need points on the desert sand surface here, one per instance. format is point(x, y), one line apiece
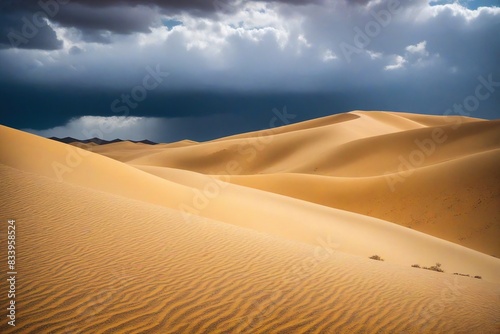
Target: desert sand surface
point(264, 232)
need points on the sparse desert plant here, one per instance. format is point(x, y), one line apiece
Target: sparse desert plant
point(436, 267)
point(376, 257)
point(467, 275)
point(415, 266)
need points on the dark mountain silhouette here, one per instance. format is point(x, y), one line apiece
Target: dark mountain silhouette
point(98, 141)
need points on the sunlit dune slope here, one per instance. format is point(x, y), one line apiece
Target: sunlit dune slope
point(274, 214)
point(94, 262)
point(439, 175)
point(345, 229)
point(457, 200)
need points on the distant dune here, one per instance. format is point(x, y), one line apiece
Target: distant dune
point(264, 232)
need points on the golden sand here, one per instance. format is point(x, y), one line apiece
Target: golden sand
point(265, 232)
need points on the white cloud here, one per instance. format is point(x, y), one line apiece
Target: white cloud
point(399, 62)
point(329, 55)
point(457, 10)
point(302, 40)
point(374, 55)
point(418, 48)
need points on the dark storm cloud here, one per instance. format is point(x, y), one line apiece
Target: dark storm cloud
point(96, 19)
point(187, 5)
point(23, 25)
point(228, 69)
point(19, 29)
point(50, 106)
point(120, 20)
point(358, 2)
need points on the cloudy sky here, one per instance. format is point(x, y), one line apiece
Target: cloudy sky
point(166, 70)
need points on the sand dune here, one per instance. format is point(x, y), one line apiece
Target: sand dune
point(457, 200)
point(266, 232)
point(307, 149)
point(110, 264)
point(417, 171)
point(250, 208)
